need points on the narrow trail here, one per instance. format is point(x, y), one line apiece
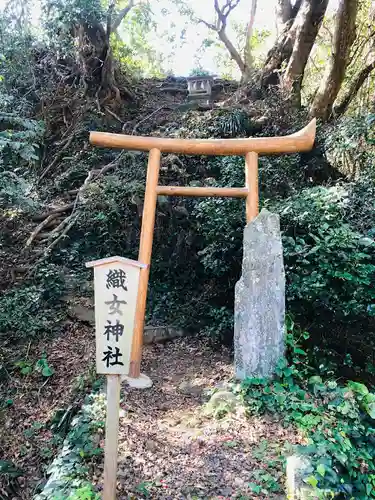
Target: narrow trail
point(171, 448)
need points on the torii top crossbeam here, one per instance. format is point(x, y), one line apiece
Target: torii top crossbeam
point(300, 141)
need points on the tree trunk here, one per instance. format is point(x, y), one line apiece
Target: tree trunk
point(283, 14)
point(232, 50)
point(308, 23)
point(248, 59)
point(281, 51)
point(95, 55)
point(343, 39)
point(92, 50)
point(354, 87)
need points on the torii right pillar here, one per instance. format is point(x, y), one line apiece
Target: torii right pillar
point(259, 314)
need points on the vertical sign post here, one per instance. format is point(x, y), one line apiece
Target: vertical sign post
point(116, 289)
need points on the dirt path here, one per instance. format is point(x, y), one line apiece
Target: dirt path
point(169, 447)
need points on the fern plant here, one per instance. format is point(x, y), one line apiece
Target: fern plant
point(19, 138)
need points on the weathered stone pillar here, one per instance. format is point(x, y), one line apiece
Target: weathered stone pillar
point(298, 468)
point(260, 300)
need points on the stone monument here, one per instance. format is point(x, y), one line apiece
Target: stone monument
point(260, 300)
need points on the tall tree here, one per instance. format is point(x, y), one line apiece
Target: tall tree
point(343, 38)
point(283, 47)
point(248, 59)
point(91, 25)
point(307, 24)
point(355, 85)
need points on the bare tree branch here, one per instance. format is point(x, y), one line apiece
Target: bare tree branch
point(121, 15)
point(221, 23)
point(354, 87)
point(249, 33)
point(209, 25)
point(223, 12)
point(232, 50)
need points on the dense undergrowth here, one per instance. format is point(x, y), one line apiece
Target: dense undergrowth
point(337, 420)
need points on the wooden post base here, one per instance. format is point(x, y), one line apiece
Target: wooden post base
point(141, 382)
point(111, 436)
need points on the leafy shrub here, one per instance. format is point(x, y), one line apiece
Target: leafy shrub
point(338, 421)
point(30, 309)
point(14, 192)
point(234, 123)
point(19, 138)
point(360, 207)
point(329, 266)
point(41, 366)
point(350, 144)
point(108, 218)
point(68, 474)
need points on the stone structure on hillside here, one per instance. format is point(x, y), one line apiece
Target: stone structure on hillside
point(200, 89)
point(260, 300)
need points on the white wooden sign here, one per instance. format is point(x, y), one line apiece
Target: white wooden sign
point(116, 288)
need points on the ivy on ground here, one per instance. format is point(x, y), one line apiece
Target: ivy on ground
point(338, 421)
point(69, 472)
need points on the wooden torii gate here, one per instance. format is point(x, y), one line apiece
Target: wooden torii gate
point(250, 148)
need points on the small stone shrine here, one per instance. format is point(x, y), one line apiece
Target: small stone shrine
point(200, 89)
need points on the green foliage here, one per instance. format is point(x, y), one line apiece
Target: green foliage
point(14, 192)
point(134, 51)
point(33, 430)
point(9, 474)
point(41, 366)
point(60, 18)
point(234, 123)
point(329, 266)
point(351, 144)
point(84, 493)
point(338, 421)
point(32, 309)
point(69, 471)
point(360, 207)
point(18, 139)
point(109, 215)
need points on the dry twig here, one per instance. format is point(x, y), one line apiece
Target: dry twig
point(38, 229)
point(149, 116)
point(57, 157)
